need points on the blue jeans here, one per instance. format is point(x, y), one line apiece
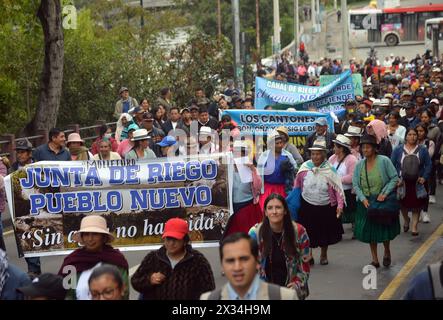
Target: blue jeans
point(34, 265)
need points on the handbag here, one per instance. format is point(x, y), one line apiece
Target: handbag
point(382, 212)
point(401, 191)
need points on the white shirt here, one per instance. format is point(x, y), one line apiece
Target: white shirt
point(82, 290)
point(315, 189)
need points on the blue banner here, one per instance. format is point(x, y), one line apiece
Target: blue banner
point(282, 95)
point(260, 122)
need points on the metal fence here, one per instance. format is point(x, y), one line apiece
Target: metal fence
point(88, 134)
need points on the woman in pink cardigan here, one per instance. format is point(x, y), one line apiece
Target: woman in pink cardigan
point(246, 194)
point(344, 162)
point(322, 201)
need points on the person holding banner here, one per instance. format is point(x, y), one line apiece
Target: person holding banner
point(95, 239)
point(277, 168)
point(205, 138)
point(141, 150)
point(126, 145)
point(246, 192)
point(175, 271)
point(283, 247)
point(289, 146)
point(77, 149)
point(105, 152)
point(322, 201)
point(344, 162)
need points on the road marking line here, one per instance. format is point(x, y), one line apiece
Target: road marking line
point(390, 290)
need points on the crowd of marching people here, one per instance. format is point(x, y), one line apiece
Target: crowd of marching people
point(383, 157)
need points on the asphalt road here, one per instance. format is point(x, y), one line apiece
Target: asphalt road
point(342, 278)
point(331, 37)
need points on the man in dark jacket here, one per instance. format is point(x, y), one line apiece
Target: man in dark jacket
point(155, 133)
point(321, 132)
point(410, 120)
point(173, 122)
point(205, 120)
point(175, 271)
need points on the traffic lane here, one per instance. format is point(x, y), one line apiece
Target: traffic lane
point(52, 264)
point(407, 51)
point(434, 255)
point(342, 279)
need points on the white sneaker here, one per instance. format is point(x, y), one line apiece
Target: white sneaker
point(426, 218)
point(431, 199)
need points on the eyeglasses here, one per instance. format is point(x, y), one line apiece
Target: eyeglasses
point(107, 294)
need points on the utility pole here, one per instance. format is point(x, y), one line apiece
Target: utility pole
point(296, 27)
point(257, 28)
point(142, 20)
point(244, 58)
point(335, 5)
point(345, 33)
point(435, 51)
point(219, 20)
point(313, 15)
point(276, 26)
point(236, 38)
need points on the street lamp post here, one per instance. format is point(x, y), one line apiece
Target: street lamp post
point(236, 38)
point(276, 26)
point(142, 20)
point(345, 38)
point(296, 26)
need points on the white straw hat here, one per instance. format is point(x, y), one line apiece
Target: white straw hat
point(93, 224)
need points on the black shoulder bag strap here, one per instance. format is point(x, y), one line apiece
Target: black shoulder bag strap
point(341, 161)
point(366, 173)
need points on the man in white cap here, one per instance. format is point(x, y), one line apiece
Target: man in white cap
point(321, 133)
point(125, 103)
point(205, 139)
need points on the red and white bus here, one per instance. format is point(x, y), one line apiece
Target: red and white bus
point(392, 26)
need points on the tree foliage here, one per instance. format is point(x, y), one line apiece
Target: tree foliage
point(105, 52)
point(204, 15)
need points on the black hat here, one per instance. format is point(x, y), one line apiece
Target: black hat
point(368, 139)
point(46, 285)
point(358, 118)
point(419, 93)
point(23, 145)
point(147, 116)
point(379, 111)
point(350, 102)
point(408, 105)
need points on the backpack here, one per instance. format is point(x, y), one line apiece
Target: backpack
point(410, 166)
point(436, 275)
